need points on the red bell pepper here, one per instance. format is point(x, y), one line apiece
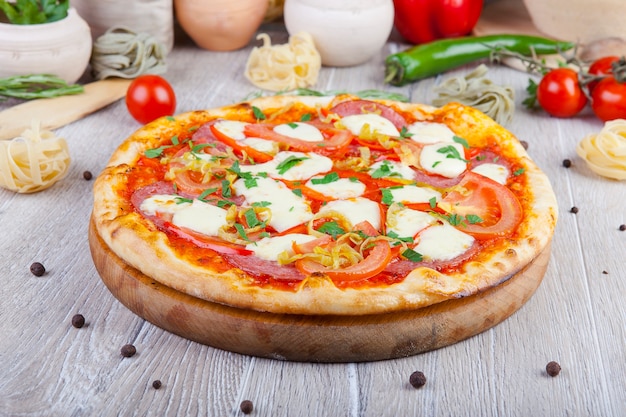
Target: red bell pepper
point(421, 21)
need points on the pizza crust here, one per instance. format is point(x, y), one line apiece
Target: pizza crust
point(137, 241)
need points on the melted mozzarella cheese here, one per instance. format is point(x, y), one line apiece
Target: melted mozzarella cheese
point(342, 188)
point(270, 247)
point(231, 128)
point(409, 222)
point(262, 145)
point(310, 165)
point(288, 210)
point(201, 217)
point(429, 132)
point(376, 123)
point(434, 160)
point(356, 210)
point(496, 172)
point(413, 194)
point(162, 203)
point(442, 242)
point(386, 169)
point(299, 130)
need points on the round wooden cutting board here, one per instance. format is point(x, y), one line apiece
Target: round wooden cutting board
point(313, 338)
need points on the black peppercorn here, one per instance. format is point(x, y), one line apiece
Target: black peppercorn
point(417, 379)
point(574, 210)
point(524, 144)
point(128, 350)
point(156, 384)
point(37, 269)
point(78, 321)
point(567, 163)
point(87, 175)
point(622, 227)
point(553, 368)
point(246, 406)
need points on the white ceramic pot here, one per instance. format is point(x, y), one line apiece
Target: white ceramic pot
point(61, 48)
point(220, 25)
point(345, 32)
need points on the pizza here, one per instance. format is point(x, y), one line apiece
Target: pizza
point(325, 205)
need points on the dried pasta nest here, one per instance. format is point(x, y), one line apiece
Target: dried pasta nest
point(605, 152)
point(33, 161)
point(284, 67)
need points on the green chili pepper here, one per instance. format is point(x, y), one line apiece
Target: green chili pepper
point(429, 59)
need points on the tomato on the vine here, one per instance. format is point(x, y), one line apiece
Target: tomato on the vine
point(150, 97)
point(559, 93)
point(601, 66)
point(608, 99)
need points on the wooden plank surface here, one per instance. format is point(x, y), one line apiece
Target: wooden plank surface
point(577, 316)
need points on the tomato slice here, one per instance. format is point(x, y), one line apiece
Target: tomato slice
point(374, 263)
point(255, 154)
point(498, 208)
point(336, 140)
point(207, 242)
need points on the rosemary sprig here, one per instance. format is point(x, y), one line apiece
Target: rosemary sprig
point(34, 86)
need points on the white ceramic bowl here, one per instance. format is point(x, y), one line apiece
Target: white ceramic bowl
point(61, 48)
point(345, 32)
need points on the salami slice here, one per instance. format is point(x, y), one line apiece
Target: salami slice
point(349, 108)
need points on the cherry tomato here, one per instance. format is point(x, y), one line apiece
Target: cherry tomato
point(601, 66)
point(608, 99)
point(150, 97)
point(496, 205)
point(559, 93)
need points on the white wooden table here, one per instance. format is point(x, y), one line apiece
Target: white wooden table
point(577, 317)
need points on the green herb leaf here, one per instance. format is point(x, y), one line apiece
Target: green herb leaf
point(261, 204)
point(530, 102)
point(250, 182)
point(241, 231)
point(519, 171)
point(473, 219)
point(412, 256)
point(326, 179)
point(451, 153)
point(251, 218)
point(461, 141)
point(258, 113)
point(384, 170)
point(292, 125)
point(387, 196)
point(305, 117)
point(289, 163)
point(297, 192)
point(181, 200)
point(156, 152)
point(331, 228)
point(433, 202)
point(404, 133)
point(206, 193)
point(226, 191)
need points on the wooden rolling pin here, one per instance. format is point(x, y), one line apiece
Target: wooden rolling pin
point(59, 111)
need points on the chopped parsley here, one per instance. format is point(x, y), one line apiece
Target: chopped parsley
point(331, 228)
point(226, 191)
point(432, 202)
point(252, 219)
point(289, 163)
point(461, 141)
point(387, 196)
point(206, 193)
point(297, 192)
point(519, 171)
point(384, 170)
point(292, 125)
point(182, 200)
point(241, 231)
point(261, 204)
point(156, 152)
point(305, 117)
point(394, 235)
point(258, 113)
point(451, 153)
point(326, 179)
point(412, 256)
point(250, 182)
point(404, 133)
